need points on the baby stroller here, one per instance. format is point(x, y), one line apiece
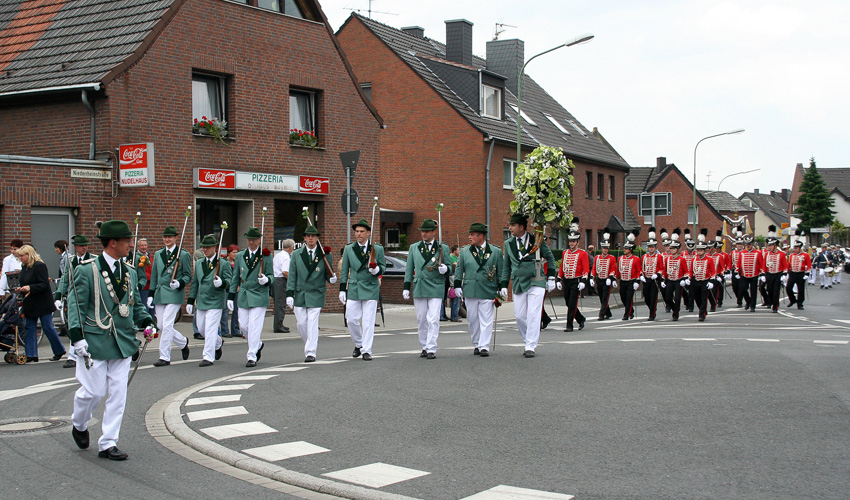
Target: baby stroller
point(11, 323)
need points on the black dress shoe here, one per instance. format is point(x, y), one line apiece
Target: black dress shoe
point(309, 359)
point(285, 329)
point(356, 352)
point(218, 354)
point(367, 356)
point(702, 319)
point(568, 329)
point(528, 354)
point(112, 453)
point(198, 336)
point(136, 355)
point(161, 362)
point(185, 350)
point(431, 355)
point(423, 354)
point(800, 306)
point(250, 364)
point(80, 437)
point(581, 325)
point(260, 351)
point(70, 363)
point(205, 363)
point(227, 336)
point(476, 352)
point(31, 359)
point(484, 353)
point(57, 357)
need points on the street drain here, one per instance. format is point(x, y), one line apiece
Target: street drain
point(32, 425)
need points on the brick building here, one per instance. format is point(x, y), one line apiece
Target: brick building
point(80, 78)
point(451, 132)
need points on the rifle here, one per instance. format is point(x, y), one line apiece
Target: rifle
point(218, 252)
point(372, 251)
point(440, 231)
point(306, 214)
point(180, 246)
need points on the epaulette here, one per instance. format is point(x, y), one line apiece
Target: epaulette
point(89, 260)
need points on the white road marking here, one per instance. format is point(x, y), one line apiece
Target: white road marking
point(228, 431)
point(842, 320)
point(576, 342)
point(379, 334)
point(636, 340)
point(35, 389)
point(376, 475)
point(503, 492)
point(329, 361)
point(230, 411)
point(252, 377)
point(231, 387)
point(699, 339)
point(228, 398)
point(762, 340)
point(284, 369)
point(454, 331)
point(344, 336)
point(276, 452)
point(832, 342)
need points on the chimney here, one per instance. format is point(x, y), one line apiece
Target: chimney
point(772, 193)
point(417, 31)
point(506, 57)
point(661, 163)
point(786, 194)
point(755, 191)
point(459, 41)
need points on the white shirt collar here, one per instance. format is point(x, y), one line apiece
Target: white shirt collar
point(110, 261)
point(171, 248)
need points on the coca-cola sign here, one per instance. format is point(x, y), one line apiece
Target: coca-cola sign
point(314, 185)
point(136, 165)
point(215, 178)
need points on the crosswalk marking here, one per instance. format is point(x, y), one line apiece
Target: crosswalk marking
point(699, 339)
point(252, 377)
point(376, 475)
point(283, 451)
point(228, 398)
point(231, 387)
point(636, 340)
point(503, 492)
point(284, 369)
point(228, 431)
point(832, 342)
point(762, 340)
point(577, 342)
point(230, 411)
point(329, 361)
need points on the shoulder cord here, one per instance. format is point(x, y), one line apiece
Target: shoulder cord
point(100, 323)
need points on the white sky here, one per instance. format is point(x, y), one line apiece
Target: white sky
point(660, 75)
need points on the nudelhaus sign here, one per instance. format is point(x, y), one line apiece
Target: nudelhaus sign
point(135, 165)
point(215, 178)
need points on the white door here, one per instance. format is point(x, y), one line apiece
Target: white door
point(48, 226)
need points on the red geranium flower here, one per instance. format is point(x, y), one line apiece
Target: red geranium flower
point(266, 252)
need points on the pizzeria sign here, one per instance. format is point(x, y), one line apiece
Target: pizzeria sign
point(222, 179)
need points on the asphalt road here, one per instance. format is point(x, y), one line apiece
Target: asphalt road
point(745, 406)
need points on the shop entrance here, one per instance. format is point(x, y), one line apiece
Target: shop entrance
point(210, 214)
point(289, 221)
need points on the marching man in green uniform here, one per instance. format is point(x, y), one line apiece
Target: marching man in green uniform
point(530, 284)
point(479, 269)
point(306, 289)
point(81, 251)
point(103, 308)
point(360, 288)
point(251, 277)
point(425, 276)
point(166, 293)
point(208, 294)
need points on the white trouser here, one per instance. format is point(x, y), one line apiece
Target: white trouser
point(825, 280)
point(528, 308)
point(165, 316)
point(307, 319)
point(251, 324)
point(106, 376)
point(837, 277)
point(72, 353)
point(479, 314)
point(361, 322)
point(208, 322)
point(428, 317)
point(812, 274)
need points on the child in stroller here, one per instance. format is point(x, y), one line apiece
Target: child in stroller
point(11, 323)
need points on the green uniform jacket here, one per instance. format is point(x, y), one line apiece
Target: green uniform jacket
point(62, 289)
point(355, 278)
point(521, 271)
point(479, 274)
point(307, 282)
point(245, 279)
point(116, 342)
point(203, 294)
point(160, 288)
point(425, 283)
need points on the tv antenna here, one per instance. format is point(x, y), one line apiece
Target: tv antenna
point(708, 180)
point(500, 28)
point(370, 11)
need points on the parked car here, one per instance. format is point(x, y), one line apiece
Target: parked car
point(396, 263)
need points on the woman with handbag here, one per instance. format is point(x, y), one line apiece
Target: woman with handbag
point(37, 303)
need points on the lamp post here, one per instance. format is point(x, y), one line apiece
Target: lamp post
point(736, 173)
point(578, 40)
point(731, 132)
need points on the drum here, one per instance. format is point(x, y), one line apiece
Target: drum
point(829, 271)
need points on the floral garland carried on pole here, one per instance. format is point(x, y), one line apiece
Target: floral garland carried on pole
point(542, 188)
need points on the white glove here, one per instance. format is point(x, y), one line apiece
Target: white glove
point(737, 276)
point(608, 281)
point(710, 285)
point(217, 282)
point(58, 305)
point(174, 284)
point(688, 281)
point(614, 283)
point(642, 280)
point(442, 269)
point(290, 302)
point(550, 284)
point(342, 297)
point(559, 285)
point(635, 285)
point(333, 280)
point(784, 279)
point(663, 284)
point(190, 308)
point(459, 293)
point(720, 279)
point(81, 347)
point(682, 283)
point(655, 276)
point(374, 270)
point(262, 279)
point(150, 302)
point(580, 286)
point(592, 283)
point(230, 305)
point(504, 293)
point(762, 279)
point(405, 294)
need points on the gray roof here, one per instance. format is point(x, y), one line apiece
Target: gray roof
point(836, 179)
point(642, 179)
point(452, 81)
point(725, 201)
point(81, 41)
point(772, 206)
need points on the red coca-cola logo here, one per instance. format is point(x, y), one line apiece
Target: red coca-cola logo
point(315, 185)
point(133, 155)
point(218, 179)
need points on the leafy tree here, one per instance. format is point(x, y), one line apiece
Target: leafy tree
point(814, 204)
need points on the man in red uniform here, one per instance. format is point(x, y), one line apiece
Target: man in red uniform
point(715, 298)
point(733, 265)
point(651, 265)
point(702, 271)
point(604, 270)
point(628, 270)
point(571, 277)
point(776, 267)
point(687, 291)
point(799, 266)
point(750, 270)
point(675, 274)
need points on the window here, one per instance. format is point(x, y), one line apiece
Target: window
point(580, 131)
point(588, 234)
point(509, 168)
point(491, 102)
point(525, 118)
point(208, 97)
point(600, 186)
point(367, 89)
point(588, 188)
point(288, 7)
point(555, 123)
point(302, 111)
point(693, 214)
point(610, 187)
point(393, 238)
point(661, 202)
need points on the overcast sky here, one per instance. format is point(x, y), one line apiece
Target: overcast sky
point(660, 75)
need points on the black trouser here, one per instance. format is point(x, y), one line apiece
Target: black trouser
point(673, 296)
point(739, 297)
point(712, 294)
point(701, 293)
point(749, 290)
point(718, 290)
point(279, 302)
point(799, 280)
point(627, 295)
point(604, 292)
point(765, 300)
point(571, 293)
point(650, 296)
point(688, 295)
point(773, 285)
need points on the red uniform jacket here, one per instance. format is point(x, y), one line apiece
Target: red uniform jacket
point(719, 262)
point(702, 269)
point(574, 264)
point(799, 262)
point(604, 266)
point(750, 264)
point(653, 264)
point(775, 262)
point(628, 267)
point(676, 268)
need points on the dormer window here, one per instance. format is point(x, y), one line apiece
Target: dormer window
point(556, 123)
point(491, 102)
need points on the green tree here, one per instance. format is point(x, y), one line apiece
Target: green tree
point(814, 204)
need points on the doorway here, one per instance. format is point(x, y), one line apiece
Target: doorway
point(48, 226)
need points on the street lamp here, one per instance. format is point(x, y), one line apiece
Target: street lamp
point(576, 41)
point(731, 132)
point(736, 173)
